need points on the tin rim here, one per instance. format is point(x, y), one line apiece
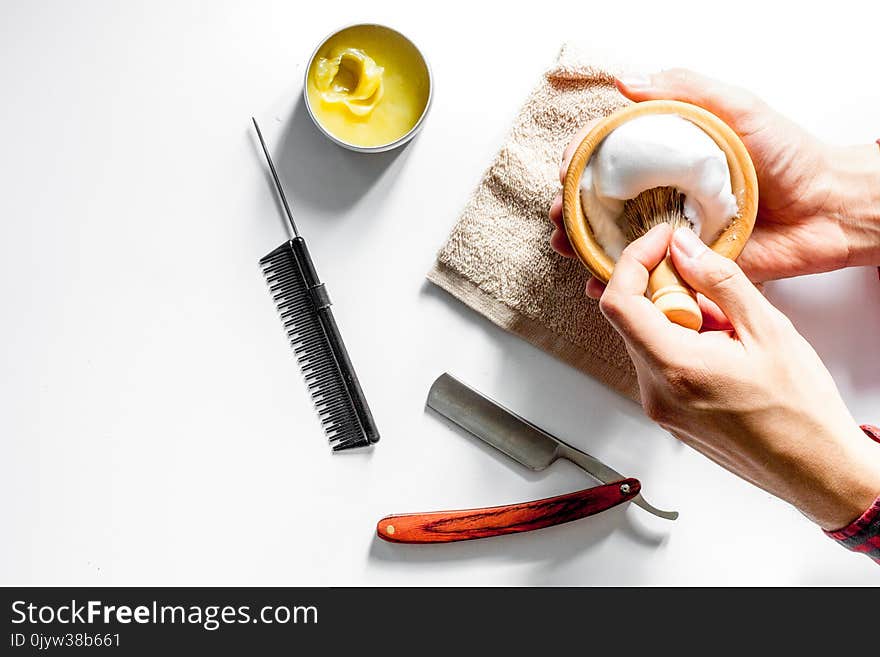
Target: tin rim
point(407, 136)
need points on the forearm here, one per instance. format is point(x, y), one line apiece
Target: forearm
point(854, 200)
point(863, 533)
point(845, 481)
point(819, 462)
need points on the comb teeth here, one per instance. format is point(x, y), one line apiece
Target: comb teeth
point(312, 349)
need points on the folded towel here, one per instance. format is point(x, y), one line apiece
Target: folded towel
point(498, 259)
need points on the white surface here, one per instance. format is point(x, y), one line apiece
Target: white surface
point(154, 426)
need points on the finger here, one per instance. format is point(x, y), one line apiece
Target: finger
point(572, 147)
point(630, 276)
point(559, 242)
point(556, 211)
point(595, 288)
point(730, 103)
point(713, 318)
point(623, 303)
point(559, 239)
point(720, 280)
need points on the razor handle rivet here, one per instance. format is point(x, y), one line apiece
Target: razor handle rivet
point(390, 530)
point(624, 488)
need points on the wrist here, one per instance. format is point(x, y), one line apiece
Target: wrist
point(854, 200)
point(846, 483)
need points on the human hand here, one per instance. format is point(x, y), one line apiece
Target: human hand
point(757, 400)
point(819, 206)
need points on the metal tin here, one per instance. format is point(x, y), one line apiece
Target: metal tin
point(400, 141)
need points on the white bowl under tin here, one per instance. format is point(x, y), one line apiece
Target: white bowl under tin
point(381, 148)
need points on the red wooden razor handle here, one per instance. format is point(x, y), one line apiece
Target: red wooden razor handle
point(467, 524)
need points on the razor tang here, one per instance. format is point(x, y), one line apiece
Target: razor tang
point(515, 436)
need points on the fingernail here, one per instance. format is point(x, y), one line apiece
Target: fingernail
point(687, 241)
point(634, 81)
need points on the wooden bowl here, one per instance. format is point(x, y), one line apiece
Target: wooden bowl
point(743, 182)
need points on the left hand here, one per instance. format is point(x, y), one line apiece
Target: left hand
point(818, 204)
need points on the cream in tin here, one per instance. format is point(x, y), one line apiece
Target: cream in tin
point(368, 88)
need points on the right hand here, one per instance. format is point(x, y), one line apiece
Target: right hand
point(757, 399)
point(811, 196)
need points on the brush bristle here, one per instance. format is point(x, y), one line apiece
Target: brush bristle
point(659, 205)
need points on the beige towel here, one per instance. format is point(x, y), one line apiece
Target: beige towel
point(498, 259)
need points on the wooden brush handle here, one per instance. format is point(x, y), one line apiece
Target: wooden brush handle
point(449, 526)
point(673, 297)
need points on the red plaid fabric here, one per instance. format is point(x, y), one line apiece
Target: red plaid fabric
point(863, 534)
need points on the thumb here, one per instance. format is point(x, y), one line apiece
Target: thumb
point(721, 280)
point(732, 104)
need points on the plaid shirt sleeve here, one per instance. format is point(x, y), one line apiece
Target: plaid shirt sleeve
point(863, 533)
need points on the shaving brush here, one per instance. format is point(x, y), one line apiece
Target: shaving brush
point(666, 289)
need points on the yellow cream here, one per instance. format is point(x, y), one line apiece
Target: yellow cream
point(368, 85)
point(350, 78)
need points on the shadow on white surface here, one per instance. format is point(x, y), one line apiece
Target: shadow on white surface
point(530, 374)
point(562, 400)
point(322, 175)
point(839, 314)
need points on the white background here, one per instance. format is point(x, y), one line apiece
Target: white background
point(154, 425)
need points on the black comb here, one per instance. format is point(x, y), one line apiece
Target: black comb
point(304, 306)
